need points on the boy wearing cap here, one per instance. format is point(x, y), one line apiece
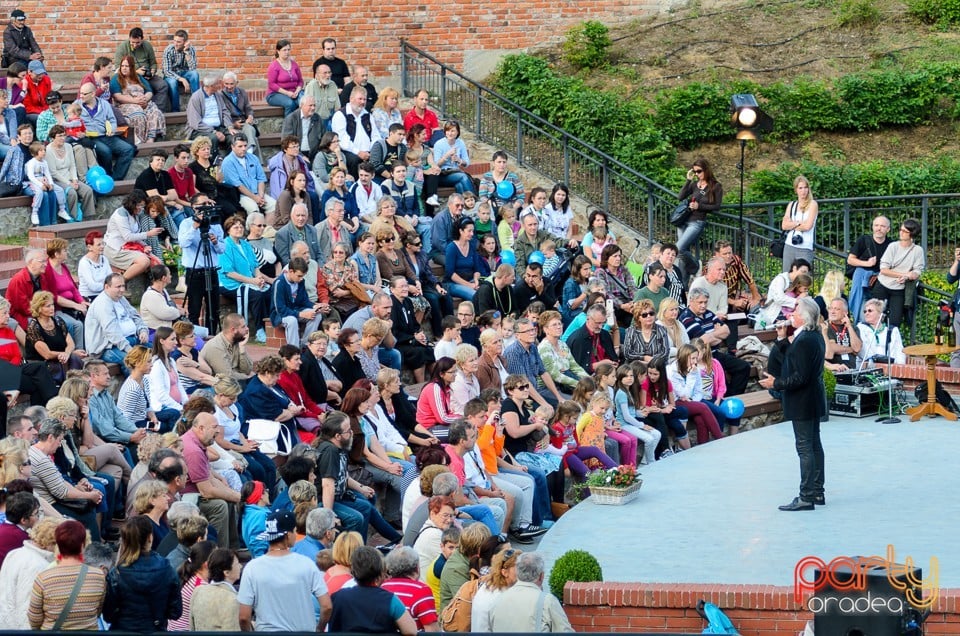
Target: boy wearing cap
point(19, 45)
point(280, 585)
point(36, 85)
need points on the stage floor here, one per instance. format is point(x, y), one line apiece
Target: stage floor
point(709, 515)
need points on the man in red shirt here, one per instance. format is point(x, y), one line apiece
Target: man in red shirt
point(217, 500)
point(24, 285)
point(184, 181)
point(420, 114)
point(403, 568)
point(36, 86)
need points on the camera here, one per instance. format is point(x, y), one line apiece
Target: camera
point(796, 239)
point(207, 215)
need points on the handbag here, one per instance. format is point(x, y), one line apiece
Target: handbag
point(359, 293)
point(269, 434)
point(77, 505)
point(776, 248)
point(681, 214)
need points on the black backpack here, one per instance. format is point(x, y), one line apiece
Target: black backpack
point(944, 398)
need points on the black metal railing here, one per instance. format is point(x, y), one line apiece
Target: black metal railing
point(645, 205)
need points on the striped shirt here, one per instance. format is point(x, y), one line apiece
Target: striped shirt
point(417, 597)
point(132, 399)
point(52, 588)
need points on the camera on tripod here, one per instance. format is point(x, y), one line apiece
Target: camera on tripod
point(207, 214)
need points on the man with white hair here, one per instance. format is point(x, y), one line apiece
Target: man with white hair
point(297, 229)
point(241, 110)
point(321, 532)
point(403, 568)
point(208, 115)
point(528, 607)
point(305, 124)
point(804, 401)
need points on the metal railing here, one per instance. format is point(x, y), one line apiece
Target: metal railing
point(645, 206)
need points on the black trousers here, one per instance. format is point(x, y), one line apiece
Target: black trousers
point(736, 370)
point(810, 452)
point(200, 292)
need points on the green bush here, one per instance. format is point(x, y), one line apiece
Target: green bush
point(586, 45)
point(574, 565)
point(857, 13)
point(940, 12)
point(693, 113)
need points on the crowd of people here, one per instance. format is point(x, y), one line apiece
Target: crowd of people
point(546, 358)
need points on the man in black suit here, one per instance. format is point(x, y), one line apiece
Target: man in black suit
point(804, 401)
point(304, 124)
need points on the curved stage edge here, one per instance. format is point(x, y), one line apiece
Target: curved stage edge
point(709, 515)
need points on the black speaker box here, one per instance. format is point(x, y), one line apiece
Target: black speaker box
point(878, 610)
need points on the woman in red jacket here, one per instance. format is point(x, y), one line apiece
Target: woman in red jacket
point(309, 421)
point(433, 407)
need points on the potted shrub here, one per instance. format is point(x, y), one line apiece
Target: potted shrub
point(574, 565)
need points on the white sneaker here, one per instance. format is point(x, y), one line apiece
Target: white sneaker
point(35, 218)
point(65, 216)
point(434, 201)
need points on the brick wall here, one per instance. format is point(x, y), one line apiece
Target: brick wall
point(755, 610)
point(242, 35)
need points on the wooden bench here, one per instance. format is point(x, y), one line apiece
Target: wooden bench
point(759, 403)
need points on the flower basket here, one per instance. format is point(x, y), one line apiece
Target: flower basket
point(614, 496)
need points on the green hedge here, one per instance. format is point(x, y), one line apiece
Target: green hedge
point(940, 12)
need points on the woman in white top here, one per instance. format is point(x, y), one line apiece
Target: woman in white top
point(799, 222)
point(503, 574)
point(667, 318)
point(165, 391)
point(93, 267)
point(63, 168)
point(901, 265)
point(428, 543)
point(465, 385)
point(684, 375)
point(558, 216)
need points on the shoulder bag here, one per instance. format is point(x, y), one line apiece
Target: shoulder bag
point(776, 248)
point(681, 214)
point(68, 606)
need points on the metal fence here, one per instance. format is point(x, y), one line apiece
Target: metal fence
point(645, 206)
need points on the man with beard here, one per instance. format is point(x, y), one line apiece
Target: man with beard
point(217, 500)
point(227, 352)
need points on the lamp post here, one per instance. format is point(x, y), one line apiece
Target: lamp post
point(749, 122)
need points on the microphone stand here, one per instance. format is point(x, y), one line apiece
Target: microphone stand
point(890, 419)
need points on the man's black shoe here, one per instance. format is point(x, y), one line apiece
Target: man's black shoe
point(797, 504)
point(820, 501)
point(519, 538)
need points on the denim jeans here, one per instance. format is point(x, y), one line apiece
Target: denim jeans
point(458, 290)
point(173, 83)
point(287, 103)
point(358, 512)
point(810, 452)
point(168, 419)
point(389, 357)
point(115, 155)
point(459, 180)
point(541, 492)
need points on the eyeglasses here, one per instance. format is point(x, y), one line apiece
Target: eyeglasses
point(447, 515)
point(521, 387)
point(347, 432)
point(464, 313)
point(695, 171)
point(259, 225)
point(86, 94)
point(458, 206)
point(26, 463)
point(647, 314)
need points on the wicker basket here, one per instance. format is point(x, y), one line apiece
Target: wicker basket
point(609, 496)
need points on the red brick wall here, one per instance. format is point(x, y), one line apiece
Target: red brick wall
point(755, 610)
point(242, 35)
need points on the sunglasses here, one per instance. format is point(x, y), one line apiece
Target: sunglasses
point(259, 225)
point(695, 171)
point(417, 244)
point(647, 314)
point(522, 387)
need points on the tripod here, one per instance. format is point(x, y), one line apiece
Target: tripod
point(890, 419)
point(206, 250)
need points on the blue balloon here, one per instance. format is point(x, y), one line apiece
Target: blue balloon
point(93, 173)
point(732, 407)
point(536, 257)
point(102, 184)
point(508, 257)
point(506, 190)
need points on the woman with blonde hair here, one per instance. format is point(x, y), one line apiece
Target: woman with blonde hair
point(343, 548)
point(832, 287)
point(799, 222)
point(49, 338)
point(230, 436)
point(386, 111)
point(503, 574)
point(20, 567)
point(151, 501)
point(108, 458)
point(667, 318)
point(684, 375)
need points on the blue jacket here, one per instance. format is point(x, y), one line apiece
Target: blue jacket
point(13, 164)
point(261, 402)
point(283, 303)
point(143, 596)
point(254, 522)
point(405, 197)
